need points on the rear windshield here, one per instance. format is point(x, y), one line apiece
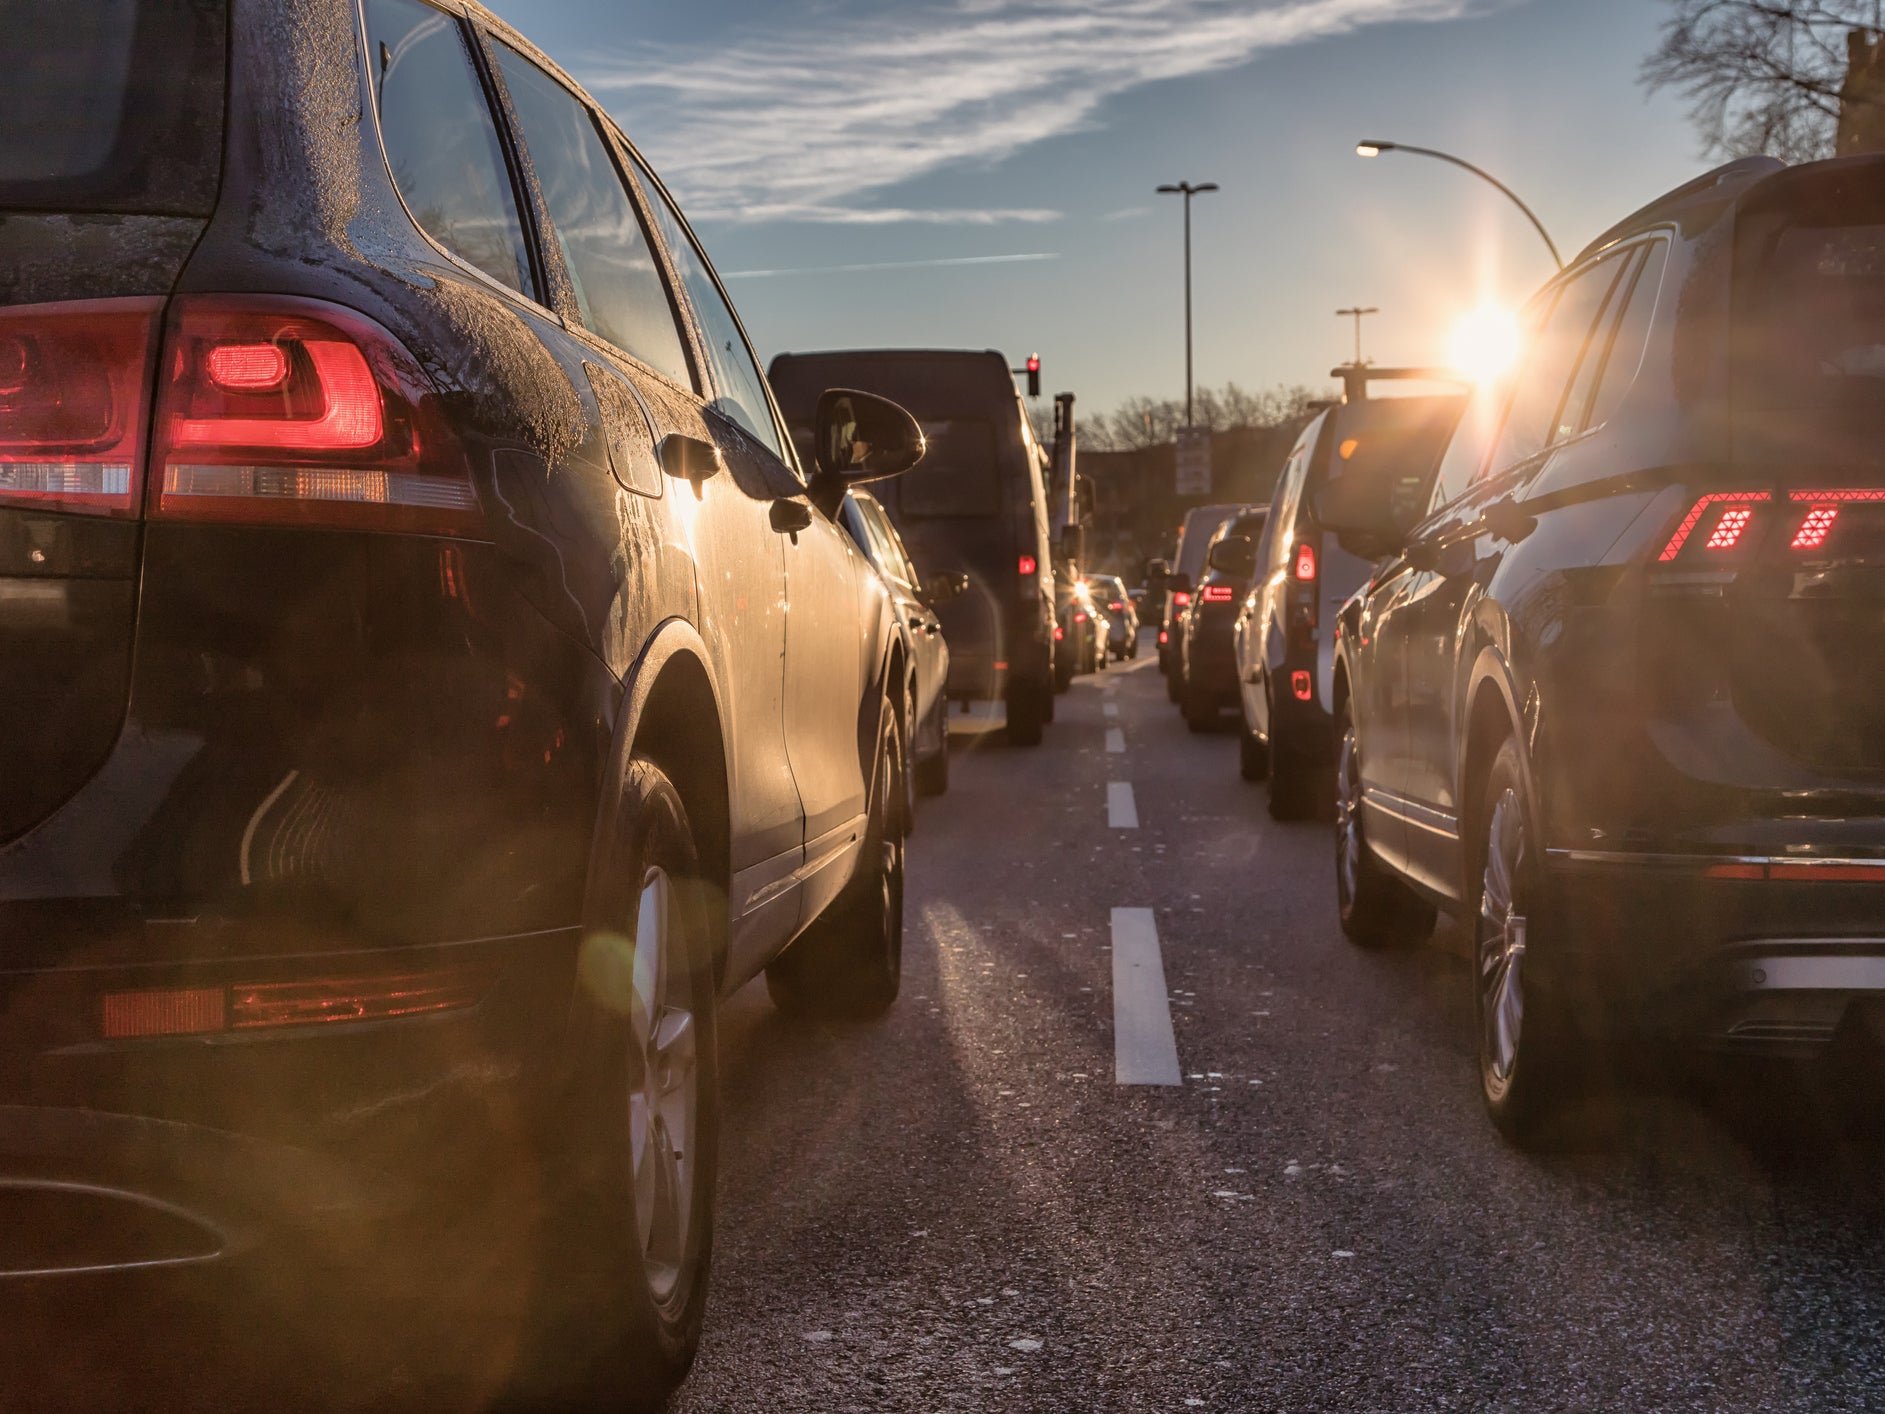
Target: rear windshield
point(1813, 328)
point(112, 105)
point(1200, 526)
point(1391, 441)
point(960, 474)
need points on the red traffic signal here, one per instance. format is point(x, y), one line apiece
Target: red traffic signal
point(1034, 375)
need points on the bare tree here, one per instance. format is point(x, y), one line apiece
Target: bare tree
point(1150, 422)
point(1775, 76)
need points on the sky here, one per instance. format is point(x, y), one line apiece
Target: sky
point(981, 173)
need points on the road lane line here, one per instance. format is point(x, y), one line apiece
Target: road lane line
point(1115, 741)
point(1145, 1052)
point(1110, 709)
point(1122, 811)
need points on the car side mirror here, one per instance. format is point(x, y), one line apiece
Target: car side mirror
point(862, 437)
point(1177, 583)
point(1235, 555)
point(943, 586)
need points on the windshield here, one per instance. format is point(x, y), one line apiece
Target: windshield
point(112, 105)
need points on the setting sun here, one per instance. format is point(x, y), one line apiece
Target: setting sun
point(1484, 343)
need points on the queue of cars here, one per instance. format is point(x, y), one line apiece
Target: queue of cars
point(1592, 660)
point(401, 718)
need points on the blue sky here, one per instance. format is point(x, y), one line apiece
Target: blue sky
point(802, 135)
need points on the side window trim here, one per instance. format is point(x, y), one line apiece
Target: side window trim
point(1654, 253)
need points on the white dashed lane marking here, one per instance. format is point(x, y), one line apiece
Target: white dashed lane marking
point(1110, 709)
point(1122, 811)
point(1115, 741)
point(1145, 1052)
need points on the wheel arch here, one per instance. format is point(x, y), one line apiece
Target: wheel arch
point(1492, 715)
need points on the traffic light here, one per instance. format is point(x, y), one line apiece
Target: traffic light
point(1034, 375)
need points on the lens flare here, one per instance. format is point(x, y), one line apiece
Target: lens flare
point(1485, 343)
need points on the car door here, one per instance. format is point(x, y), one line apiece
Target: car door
point(1461, 551)
point(828, 583)
point(713, 534)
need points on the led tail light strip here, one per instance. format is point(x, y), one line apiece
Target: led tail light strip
point(1731, 499)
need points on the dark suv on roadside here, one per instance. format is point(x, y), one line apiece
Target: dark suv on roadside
point(403, 744)
point(1284, 639)
point(1615, 697)
point(1207, 667)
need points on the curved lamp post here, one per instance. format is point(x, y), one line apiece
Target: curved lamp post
point(1369, 147)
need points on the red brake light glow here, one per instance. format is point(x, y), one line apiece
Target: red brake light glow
point(1026, 565)
point(190, 1011)
point(74, 398)
point(1218, 594)
point(1115, 605)
point(1734, 500)
point(1728, 530)
point(1079, 618)
point(1815, 528)
point(1305, 561)
point(1180, 598)
point(1059, 633)
point(289, 411)
point(1300, 684)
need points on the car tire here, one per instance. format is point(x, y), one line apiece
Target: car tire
point(932, 772)
point(848, 965)
point(1253, 757)
point(907, 771)
point(627, 1233)
point(1174, 684)
point(1030, 708)
point(1526, 1045)
point(1063, 671)
point(1377, 909)
point(1200, 708)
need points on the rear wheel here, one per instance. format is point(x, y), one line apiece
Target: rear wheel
point(907, 770)
point(629, 1230)
point(1377, 909)
point(1526, 1047)
point(849, 964)
point(1253, 757)
point(932, 774)
point(1200, 707)
point(1029, 709)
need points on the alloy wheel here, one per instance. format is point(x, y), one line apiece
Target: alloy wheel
point(664, 1104)
point(1501, 939)
point(1348, 843)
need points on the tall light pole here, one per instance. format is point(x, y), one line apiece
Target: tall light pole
point(1370, 147)
point(1358, 311)
point(1187, 190)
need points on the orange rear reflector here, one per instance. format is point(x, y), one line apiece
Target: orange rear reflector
point(180, 1011)
point(1734, 871)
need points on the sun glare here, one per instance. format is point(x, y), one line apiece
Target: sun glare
point(1485, 343)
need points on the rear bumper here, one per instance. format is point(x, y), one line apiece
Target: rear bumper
point(1764, 964)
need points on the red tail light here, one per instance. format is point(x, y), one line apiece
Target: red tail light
point(295, 412)
point(1218, 594)
point(198, 1010)
point(1815, 528)
point(1180, 599)
point(1079, 618)
point(1734, 503)
point(1163, 637)
point(74, 398)
point(1059, 633)
point(1026, 565)
point(1300, 684)
point(1305, 561)
point(1115, 606)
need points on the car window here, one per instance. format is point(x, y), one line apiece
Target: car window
point(1570, 420)
point(1628, 345)
point(1465, 452)
point(893, 543)
point(1531, 424)
point(619, 289)
point(883, 548)
point(739, 389)
point(442, 144)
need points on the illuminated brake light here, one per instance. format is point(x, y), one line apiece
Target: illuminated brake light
point(1059, 633)
point(1115, 605)
point(1305, 561)
point(1026, 565)
point(1218, 594)
point(1741, 499)
point(1300, 684)
point(1164, 637)
point(74, 403)
point(1079, 618)
point(297, 412)
point(1180, 598)
point(1817, 526)
point(1728, 530)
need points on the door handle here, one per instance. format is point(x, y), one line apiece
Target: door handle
point(690, 458)
point(789, 517)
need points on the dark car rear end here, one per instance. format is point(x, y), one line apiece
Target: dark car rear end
point(975, 505)
point(1208, 662)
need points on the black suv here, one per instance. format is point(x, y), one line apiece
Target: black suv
point(1207, 667)
point(1283, 640)
point(403, 745)
point(1616, 696)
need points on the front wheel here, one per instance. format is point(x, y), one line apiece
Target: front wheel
point(1030, 708)
point(1377, 909)
point(1526, 1047)
point(1253, 756)
point(849, 964)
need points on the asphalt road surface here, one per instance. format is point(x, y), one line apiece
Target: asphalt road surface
point(961, 1206)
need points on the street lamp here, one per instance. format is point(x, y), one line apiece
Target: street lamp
point(1370, 147)
point(1187, 190)
point(1358, 312)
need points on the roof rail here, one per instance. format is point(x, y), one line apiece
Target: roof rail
point(1704, 196)
point(1356, 377)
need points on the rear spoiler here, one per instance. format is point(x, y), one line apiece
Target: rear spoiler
point(1357, 376)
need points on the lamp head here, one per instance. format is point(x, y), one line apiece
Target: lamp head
point(1368, 147)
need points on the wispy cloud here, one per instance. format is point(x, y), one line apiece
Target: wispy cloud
point(810, 124)
point(1019, 259)
point(1127, 213)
